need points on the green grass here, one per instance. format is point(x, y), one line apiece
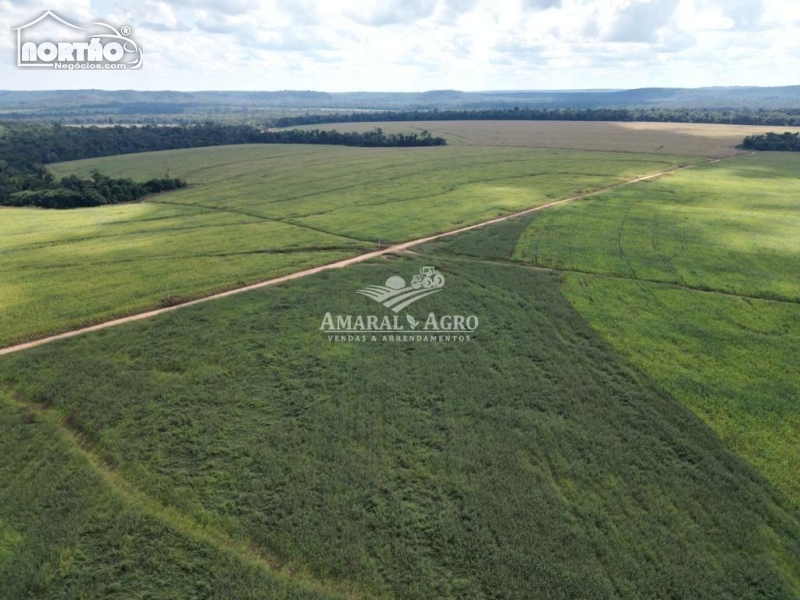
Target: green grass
point(730, 227)
point(389, 194)
point(230, 450)
point(733, 361)
point(256, 212)
point(533, 462)
point(642, 262)
point(67, 530)
point(64, 269)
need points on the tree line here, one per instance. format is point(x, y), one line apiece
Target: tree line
point(25, 148)
point(786, 117)
point(781, 142)
point(35, 143)
point(74, 192)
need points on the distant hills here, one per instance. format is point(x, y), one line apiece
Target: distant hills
point(170, 102)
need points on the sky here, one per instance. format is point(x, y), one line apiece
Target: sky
point(417, 45)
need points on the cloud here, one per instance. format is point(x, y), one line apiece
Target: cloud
point(228, 7)
point(156, 16)
point(390, 12)
point(304, 12)
point(541, 4)
point(215, 22)
point(746, 14)
point(432, 44)
point(676, 41)
point(289, 42)
point(519, 49)
point(640, 21)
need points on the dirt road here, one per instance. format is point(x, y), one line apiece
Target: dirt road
point(335, 265)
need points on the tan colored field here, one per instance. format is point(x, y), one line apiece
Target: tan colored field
point(687, 139)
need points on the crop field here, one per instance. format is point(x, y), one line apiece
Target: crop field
point(256, 212)
point(694, 278)
point(623, 424)
point(686, 139)
point(64, 269)
point(532, 462)
point(70, 528)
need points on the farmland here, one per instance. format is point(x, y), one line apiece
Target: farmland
point(694, 278)
point(687, 139)
point(256, 212)
point(69, 529)
point(533, 462)
point(623, 424)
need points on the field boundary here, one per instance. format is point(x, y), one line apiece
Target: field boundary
point(342, 263)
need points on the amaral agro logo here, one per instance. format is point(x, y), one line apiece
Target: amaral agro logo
point(397, 296)
point(52, 42)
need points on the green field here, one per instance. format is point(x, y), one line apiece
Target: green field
point(685, 139)
point(695, 279)
point(533, 462)
point(624, 423)
point(256, 212)
point(70, 528)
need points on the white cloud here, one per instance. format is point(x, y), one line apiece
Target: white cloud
point(641, 20)
point(408, 45)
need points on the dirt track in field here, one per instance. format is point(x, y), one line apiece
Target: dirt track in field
point(327, 267)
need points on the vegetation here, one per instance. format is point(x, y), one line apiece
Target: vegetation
point(231, 450)
point(70, 528)
point(256, 212)
point(689, 139)
point(785, 142)
point(496, 468)
point(128, 106)
point(386, 195)
point(726, 227)
point(789, 117)
point(74, 192)
point(24, 148)
point(694, 278)
point(35, 144)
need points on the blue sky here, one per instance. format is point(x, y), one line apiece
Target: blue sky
point(412, 45)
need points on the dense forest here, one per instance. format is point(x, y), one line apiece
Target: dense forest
point(786, 117)
point(783, 142)
point(34, 143)
point(25, 148)
point(74, 192)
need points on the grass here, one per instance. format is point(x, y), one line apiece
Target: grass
point(694, 279)
point(533, 462)
point(61, 270)
point(728, 227)
point(66, 531)
point(731, 360)
point(686, 139)
point(623, 425)
point(372, 194)
point(256, 212)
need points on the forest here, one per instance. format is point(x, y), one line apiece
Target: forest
point(784, 117)
point(74, 192)
point(25, 149)
point(781, 142)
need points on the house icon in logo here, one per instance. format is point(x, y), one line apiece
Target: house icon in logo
point(74, 47)
point(46, 14)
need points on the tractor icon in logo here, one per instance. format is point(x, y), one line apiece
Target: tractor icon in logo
point(396, 295)
point(427, 278)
